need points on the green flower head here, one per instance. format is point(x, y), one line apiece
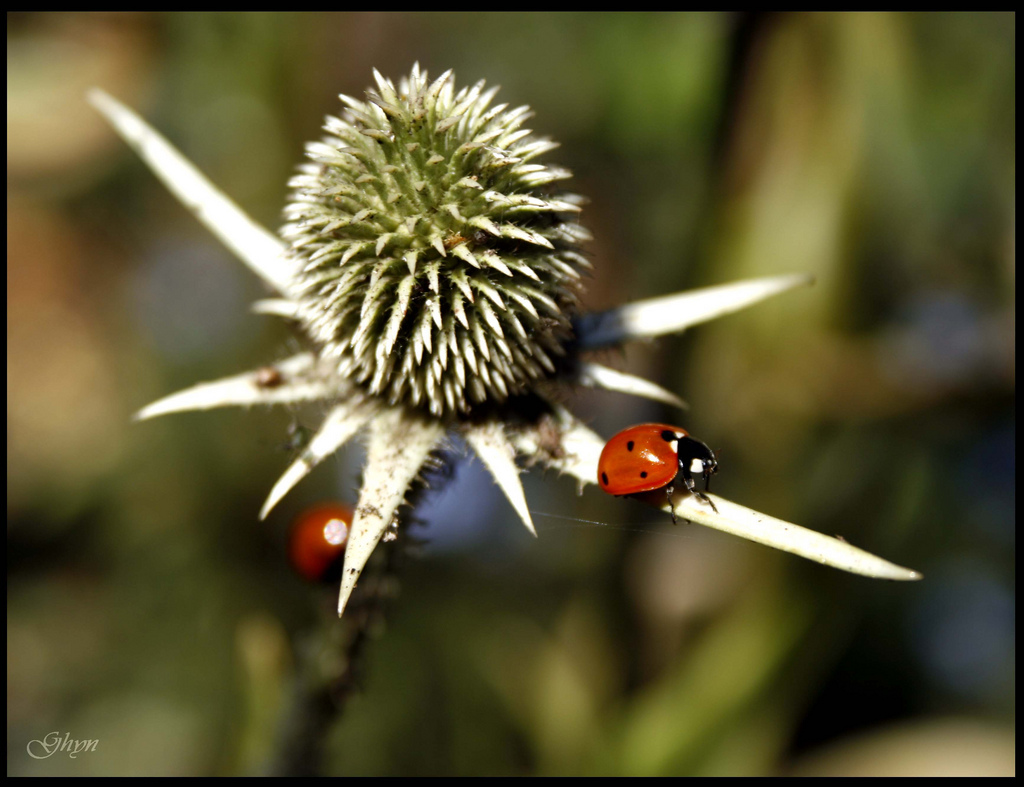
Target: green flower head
point(436, 261)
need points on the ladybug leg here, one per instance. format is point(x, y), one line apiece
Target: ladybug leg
point(669, 490)
point(707, 488)
point(691, 486)
point(704, 498)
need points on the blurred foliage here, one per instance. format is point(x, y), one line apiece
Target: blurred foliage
point(149, 610)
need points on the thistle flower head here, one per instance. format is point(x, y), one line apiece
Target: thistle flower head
point(436, 263)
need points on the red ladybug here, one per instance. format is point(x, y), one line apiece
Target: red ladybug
point(317, 541)
point(653, 457)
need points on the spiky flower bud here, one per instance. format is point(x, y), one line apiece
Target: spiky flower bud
point(437, 263)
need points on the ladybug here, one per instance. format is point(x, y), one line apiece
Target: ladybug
point(653, 457)
point(317, 541)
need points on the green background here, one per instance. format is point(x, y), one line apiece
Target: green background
point(149, 610)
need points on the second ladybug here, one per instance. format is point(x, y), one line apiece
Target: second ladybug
point(653, 457)
point(316, 544)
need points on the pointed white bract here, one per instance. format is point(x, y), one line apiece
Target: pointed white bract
point(755, 526)
point(262, 251)
point(563, 443)
point(679, 311)
point(337, 429)
point(495, 450)
point(278, 307)
point(293, 380)
point(595, 375)
point(399, 445)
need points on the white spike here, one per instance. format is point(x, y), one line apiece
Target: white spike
point(426, 332)
point(353, 250)
point(441, 356)
point(492, 259)
point(521, 267)
point(484, 223)
point(767, 530)
point(417, 346)
point(378, 284)
point(525, 302)
point(460, 367)
point(280, 307)
point(452, 338)
point(398, 312)
point(386, 88)
point(431, 385)
point(677, 312)
point(512, 231)
point(483, 373)
point(490, 318)
point(503, 346)
point(516, 325)
point(349, 101)
point(485, 287)
point(461, 281)
point(435, 87)
point(494, 449)
point(451, 398)
point(465, 255)
point(398, 447)
point(459, 311)
point(453, 211)
point(480, 338)
point(542, 358)
point(499, 384)
point(262, 251)
point(339, 427)
point(297, 385)
point(446, 124)
point(595, 375)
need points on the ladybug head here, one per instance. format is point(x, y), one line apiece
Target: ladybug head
point(697, 459)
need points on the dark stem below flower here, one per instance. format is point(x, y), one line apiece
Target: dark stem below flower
point(329, 667)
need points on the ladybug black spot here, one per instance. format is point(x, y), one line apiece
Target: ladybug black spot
point(604, 479)
point(668, 436)
point(629, 446)
point(643, 474)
